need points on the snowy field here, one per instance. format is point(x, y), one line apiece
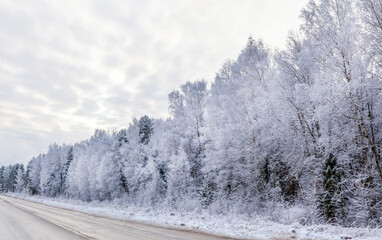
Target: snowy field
point(241, 227)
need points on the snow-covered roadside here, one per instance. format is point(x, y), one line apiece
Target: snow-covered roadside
point(230, 226)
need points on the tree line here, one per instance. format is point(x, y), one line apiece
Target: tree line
point(296, 127)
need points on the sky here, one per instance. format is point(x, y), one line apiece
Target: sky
point(70, 67)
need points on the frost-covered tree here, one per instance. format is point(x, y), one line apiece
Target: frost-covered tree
point(235, 108)
point(20, 179)
point(187, 107)
point(52, 170)
point(120, 139)
point(137, 169)
point(34, 171)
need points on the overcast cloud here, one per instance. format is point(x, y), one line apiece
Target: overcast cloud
point(69, 67)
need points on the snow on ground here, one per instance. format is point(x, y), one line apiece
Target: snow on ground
point(230, 226)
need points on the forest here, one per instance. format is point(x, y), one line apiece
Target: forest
point(298, 127)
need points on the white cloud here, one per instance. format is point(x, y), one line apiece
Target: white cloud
point(68, 67)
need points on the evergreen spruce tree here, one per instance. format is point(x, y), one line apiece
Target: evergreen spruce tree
point(65, 170)
point(146, 129)
point(2, 185)
point(332, 199)
point(121, 140)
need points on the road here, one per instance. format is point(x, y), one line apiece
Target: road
point(25, 220)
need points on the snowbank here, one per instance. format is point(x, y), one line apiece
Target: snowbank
point(242, 227)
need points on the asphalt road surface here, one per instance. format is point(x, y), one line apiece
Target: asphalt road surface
point(25, 220)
